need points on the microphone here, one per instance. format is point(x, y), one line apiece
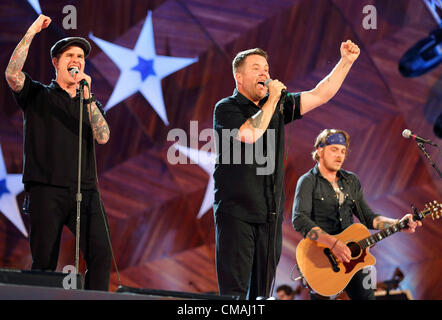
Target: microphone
point(281, 99)
point(73, 71)
point(407, 134)
point(283, 91)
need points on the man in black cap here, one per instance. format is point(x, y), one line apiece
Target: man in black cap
point(51, 120)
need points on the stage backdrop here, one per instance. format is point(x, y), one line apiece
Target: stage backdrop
point(159, 65)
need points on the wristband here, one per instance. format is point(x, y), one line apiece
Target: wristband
point(90, 100)
point(334, 244)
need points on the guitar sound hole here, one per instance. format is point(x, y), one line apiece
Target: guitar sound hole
point(354, 248)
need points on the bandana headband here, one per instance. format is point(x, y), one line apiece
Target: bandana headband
point(335, 138)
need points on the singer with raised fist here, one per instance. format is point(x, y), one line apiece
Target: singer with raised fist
point(51, 133)
point(249, 193)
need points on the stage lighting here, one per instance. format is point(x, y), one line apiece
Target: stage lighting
point(424, 56)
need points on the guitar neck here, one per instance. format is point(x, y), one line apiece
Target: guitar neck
point(384, 233)
point(432, 209)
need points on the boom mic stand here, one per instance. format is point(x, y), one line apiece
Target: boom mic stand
point(421, 146)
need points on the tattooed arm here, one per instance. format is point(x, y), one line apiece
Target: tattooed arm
point(339, 248)
point(14, 75)
point(381, 222)
point(100, 129)
point(329, 86)
point(99, 126)
point(319, 235)
point(255, 126)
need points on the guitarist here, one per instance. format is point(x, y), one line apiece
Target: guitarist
point(326, 199)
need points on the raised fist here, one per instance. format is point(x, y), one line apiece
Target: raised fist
point(42, 22)
point(350, 51)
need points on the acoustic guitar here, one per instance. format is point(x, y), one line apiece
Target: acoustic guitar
point(326, 275)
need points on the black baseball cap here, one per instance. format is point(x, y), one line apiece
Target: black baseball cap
point(69, 41)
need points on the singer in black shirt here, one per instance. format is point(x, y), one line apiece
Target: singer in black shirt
point(244, 199)
point(249, 195)
point(50, 129)
point(51, 158)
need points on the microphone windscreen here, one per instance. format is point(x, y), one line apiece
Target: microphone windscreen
point(266, 83)
point(73, 71)
point(406, 133)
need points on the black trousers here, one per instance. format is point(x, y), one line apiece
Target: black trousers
point(242, 250)
point(50, 209)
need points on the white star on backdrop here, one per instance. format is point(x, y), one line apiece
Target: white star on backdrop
point(141, 69)
point(10, 186)
point(206, 160)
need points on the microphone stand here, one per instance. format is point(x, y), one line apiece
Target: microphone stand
point(421, 146)
point(78, 195)
point(274, 216)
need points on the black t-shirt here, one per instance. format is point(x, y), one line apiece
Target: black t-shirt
point(244, 175)
point(50, 131)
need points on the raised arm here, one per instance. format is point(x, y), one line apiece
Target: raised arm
point(13, 73)
point(329, 86)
